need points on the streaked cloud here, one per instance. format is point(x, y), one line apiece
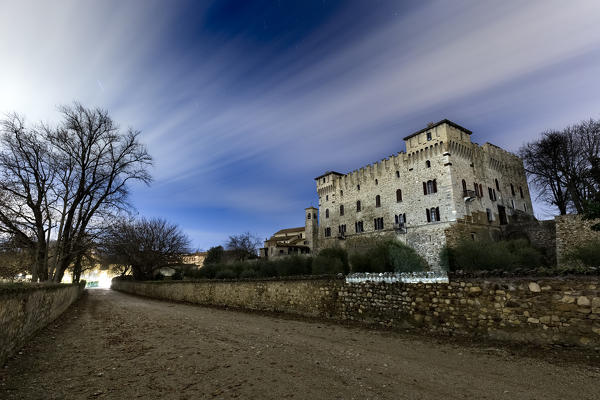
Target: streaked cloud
point(242, 110)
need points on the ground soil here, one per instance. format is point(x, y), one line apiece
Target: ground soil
point(112, 345)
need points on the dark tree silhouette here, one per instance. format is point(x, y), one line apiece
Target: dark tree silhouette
point(145, 245)
point(64, 181)
point(563, 166)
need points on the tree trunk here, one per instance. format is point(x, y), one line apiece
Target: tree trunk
point(77, 268)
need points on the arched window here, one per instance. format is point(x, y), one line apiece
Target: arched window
point(428, 164)
point(429, 187)
point(341, 193)
point(327, 213)
point(398, 195)
point(308, 216)
point(377, 201)
point(497, 185)
point(433, 214)
point(357, 205)
point(376, 182)
point(341, 210)
point(357, 187)
point(397, 174)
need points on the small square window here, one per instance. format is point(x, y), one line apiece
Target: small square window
point(428, 135)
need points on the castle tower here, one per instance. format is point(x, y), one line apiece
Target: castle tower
point(311, 227)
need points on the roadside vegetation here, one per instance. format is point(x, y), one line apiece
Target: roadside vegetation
point(381, 256)
point(505, 255)
point(586, 255)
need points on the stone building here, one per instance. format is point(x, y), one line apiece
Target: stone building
point(196, 258)
point(291, 241)
point(444, 187)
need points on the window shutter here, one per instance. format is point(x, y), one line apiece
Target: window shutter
point(437, 214)
point(425, 188)
point(428, 216)
point(434, 186)
point(404, 218)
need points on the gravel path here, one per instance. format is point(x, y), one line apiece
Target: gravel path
point(112, 345)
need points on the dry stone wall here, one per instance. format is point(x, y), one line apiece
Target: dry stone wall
point(563, 311)
point(25, 310)
point(573, 231)
point(307, 297)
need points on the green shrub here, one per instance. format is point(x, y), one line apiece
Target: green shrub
point(248, 273)
point(388, 256)
point(586, 254)
point(293, 266)
point(177, 276)
point(323, 265)
point(226, 273)
point(339, 253)
point(267, 269)
point(503, 255)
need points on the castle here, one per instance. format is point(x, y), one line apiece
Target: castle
point(442, 189)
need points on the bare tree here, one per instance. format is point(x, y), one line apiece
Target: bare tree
point(27, 179)
point(542, 164)
point(563, 165)
point(145, 245)
point(14, 259)
point(243, 246)
point(62, 182)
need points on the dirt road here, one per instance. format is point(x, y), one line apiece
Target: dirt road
point(116, 346)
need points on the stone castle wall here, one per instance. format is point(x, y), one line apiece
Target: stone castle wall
point(537, 311)
point(573, 231)
point(24, 310)
point(449, 157)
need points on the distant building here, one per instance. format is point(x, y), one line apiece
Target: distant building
point(196, 258)
point(286, 242)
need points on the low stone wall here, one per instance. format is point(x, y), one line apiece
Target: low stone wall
point(307, 297)
point(563, 311)
point(542, 311)
point(24, 309)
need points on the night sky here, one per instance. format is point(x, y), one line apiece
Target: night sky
point(243, 103)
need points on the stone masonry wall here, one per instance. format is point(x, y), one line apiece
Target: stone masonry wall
point(573, 231)
point(538, 311)
point(23, 311)
point(307, 297)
